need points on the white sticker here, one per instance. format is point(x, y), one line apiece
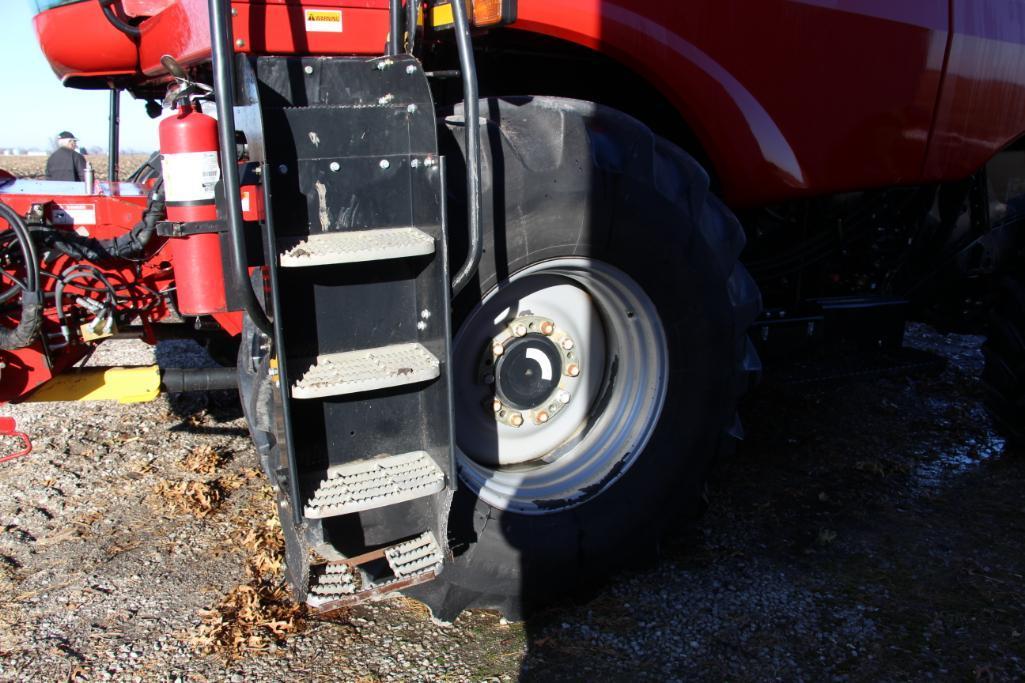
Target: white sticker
point(324, 20)
point(74, 214)
point(190, 176)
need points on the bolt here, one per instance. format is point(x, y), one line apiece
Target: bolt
point(282, 169)
point(414, 163)
point(497, 348)
point(385, 164)
point(547, 327)
point(411, 109)
point(234, 12)
point(573, 370)
point(429, 161)
point(496, 405)
point(567, 344)
point(520, 330)
point(308, 69)
point(240, 42)
point(563, 397)
point(489, 379)
point(542, 417)
point(425, 314)
point(335, 166)
point(516, 420)
point(381, 66)
point(421, 326)
point(411, 69)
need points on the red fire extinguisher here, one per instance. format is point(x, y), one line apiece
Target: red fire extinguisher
point(191, 170)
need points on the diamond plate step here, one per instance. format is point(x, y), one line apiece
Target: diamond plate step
point(355, 246)
point(370, 484)
point(413, 562)
point(352, 372)
point(414, 557)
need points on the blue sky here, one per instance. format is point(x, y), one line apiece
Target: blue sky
point(36, 106)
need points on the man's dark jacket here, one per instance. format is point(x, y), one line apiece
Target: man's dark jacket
point(65, 164)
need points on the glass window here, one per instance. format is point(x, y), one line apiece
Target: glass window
point(42, 5)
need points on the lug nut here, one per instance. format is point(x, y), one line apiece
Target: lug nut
point(520, 330)
point(516, 420)
point(497, 349)
point(573, 370)
point(547, 328)
point(564, 396)
point(542, 417)
point(567, 344)
point(496, 405)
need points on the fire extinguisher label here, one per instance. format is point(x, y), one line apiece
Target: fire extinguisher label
point(324, 20)
point(190, 176)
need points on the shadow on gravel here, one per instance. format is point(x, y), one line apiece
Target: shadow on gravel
point(867, 530)
point(200, 412)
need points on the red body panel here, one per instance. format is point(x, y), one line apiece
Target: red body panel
point(788, 97)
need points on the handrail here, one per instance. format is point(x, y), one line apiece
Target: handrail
point(395, 30)
point(224, 91)
point(471, 113)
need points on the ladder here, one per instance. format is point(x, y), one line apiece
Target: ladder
point(359, 294)
point(347, 343)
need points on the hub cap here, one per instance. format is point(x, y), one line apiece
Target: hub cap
point(528, 372)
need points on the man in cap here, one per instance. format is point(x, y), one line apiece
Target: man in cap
point(66, 163)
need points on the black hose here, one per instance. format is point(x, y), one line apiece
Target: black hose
point(471, 113)
point(130, 245)
point(31, 318)
point(412, 24)
point(224, 87)
point(117, 22)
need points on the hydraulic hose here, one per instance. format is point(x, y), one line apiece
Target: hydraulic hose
point(471, 113)
point(31, 297)
point(130, 245)
point(224, 88)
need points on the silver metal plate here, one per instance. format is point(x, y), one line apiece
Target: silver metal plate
point(352, 372)
point(370, 484)
point(356, 246)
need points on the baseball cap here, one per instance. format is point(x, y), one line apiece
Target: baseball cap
point(65, 135)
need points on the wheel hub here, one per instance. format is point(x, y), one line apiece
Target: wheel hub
point(528, 372)
point(531, 367)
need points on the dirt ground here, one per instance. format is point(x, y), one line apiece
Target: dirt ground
point(35, 166)
point(868, 529)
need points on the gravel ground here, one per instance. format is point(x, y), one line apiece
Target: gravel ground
point(867, 530)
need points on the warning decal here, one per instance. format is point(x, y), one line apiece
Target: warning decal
point(324, 20)
point(74, 214)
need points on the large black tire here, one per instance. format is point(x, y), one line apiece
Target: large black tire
point(565, 178)
point(1004, 374)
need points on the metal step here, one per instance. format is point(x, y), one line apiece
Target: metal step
point(370, 484)
point(352, 372)
point(413, 562)
point(355, 246)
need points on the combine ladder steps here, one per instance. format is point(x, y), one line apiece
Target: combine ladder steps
point(352, 372)
point(413, 562)
point(355, 246)
point(370, 484)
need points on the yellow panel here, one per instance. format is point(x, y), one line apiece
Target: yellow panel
point(441, 15)
point(124, 385)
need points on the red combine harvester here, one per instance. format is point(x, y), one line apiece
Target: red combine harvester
point(481, 262)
